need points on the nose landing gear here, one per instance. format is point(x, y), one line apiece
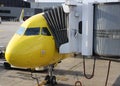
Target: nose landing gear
point(51, 80)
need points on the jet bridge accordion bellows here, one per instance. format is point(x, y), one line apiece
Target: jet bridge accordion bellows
point(107, 29)
point(56, 19)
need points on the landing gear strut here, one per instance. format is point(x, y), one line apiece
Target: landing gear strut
point(51, 80)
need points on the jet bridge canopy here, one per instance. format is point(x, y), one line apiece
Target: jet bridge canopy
point(57, 22)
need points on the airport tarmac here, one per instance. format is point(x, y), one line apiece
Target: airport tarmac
point(67, 72)
point(7, 30)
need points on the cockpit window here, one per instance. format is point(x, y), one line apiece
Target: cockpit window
point(20, 31)
point(32, 31)
point(45, 31)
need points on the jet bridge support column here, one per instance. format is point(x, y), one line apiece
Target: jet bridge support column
point(87, 29)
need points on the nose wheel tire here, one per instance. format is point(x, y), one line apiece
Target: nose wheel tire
point(51, 80)
point(47, 78)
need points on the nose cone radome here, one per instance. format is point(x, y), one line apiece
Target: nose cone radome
point(22, 57)
point(23, 54)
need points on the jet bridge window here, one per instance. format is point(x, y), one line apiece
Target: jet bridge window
point(80, 27)
point(32, 31)
point(45, 31)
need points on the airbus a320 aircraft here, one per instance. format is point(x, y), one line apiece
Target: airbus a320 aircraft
point(36, 45)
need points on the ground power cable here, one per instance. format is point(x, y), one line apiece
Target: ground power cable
point(92, 75)
point(84, 68)
point(78, 83)
point(108, 72)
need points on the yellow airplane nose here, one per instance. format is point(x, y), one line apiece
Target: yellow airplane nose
point(23, 53)
point(13, 56)
point(22, 57)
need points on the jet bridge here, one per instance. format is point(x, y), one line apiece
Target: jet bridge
point(89, 29)
point(100, 29)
